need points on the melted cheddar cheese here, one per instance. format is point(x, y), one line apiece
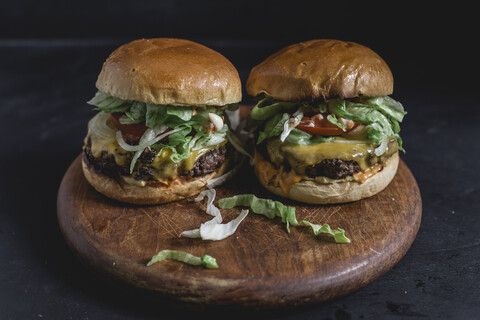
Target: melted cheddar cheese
point(299, 157)
point(162, 167)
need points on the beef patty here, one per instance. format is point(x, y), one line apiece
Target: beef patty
point(209, 162)
point(333, 168)
point(107, 165)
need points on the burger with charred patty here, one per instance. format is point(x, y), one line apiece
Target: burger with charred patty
point(160, 134)
point(326, 129)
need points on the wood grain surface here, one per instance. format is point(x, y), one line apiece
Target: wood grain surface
point(261, 265)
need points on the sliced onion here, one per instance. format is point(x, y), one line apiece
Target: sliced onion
point(291, 124)
point(98, 126)
point(382, 148)
point(216, 120)
point(211, 209)
point(220, 231)
point(149, 137)
point(214, 229)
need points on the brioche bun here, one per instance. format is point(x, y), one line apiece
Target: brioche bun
point(309, 191)
point(180, 188)
point(161, 71)
point(324, 69)
point(170, 71)
point(321, 69)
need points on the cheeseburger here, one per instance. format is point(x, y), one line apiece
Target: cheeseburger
point(160, 133)
point(326, 129)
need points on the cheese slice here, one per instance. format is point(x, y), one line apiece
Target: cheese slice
point(301, 156)
point(162, 167)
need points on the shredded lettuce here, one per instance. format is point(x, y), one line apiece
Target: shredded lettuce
point(305, 139)
point(267, 107)
point(107, 103)
point(338, 234)
point(273, 127)
point(150, 137)
point(214, 229)
point(289, 125)
point(185, 257)
point(333, 119)
point(387, 106)
point(272, 209)
point(381, 115)
point(135, 114)
point(379, 126)
point(182, 119)
point(266, 207)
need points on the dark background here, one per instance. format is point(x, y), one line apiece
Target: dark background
point(51, 53)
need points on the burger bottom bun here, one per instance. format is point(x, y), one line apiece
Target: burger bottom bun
point(308, 191)
point(180, 188)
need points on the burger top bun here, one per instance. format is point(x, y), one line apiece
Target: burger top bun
point(321, 69)
point(170, 71)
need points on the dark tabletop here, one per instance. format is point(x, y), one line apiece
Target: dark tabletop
point(44, 84)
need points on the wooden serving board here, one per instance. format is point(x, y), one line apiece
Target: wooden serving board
point(261, 265)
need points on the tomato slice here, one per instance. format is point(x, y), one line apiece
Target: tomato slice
point(320, 126)
point(133, 130)
point(321, 131)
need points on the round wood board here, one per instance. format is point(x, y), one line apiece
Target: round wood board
point(261, 265)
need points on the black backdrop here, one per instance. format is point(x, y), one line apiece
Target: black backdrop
point(426, 44)
point(51, 53)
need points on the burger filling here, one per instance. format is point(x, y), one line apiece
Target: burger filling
point(143, 143)
point(325, 141)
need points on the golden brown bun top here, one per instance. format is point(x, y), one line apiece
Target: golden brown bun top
point(170, 71)
point(321, 69)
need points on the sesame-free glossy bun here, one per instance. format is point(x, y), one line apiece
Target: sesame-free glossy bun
point(170, 71)
point(321, 69)
point(308, 191)
point(180, 188)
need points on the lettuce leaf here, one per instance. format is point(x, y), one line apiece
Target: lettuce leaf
point(305, 139)
point(266, 207)
point(154, 115)
point(338, 234)
point(378, 125)
point(136, 114)
point(185, 257)
point(184, 113)
point(333, 119)
point(182, 119)
point(272, 209)
point(381, 115)
point(266, 108)
point(388, 106)
point(273, 127)
point(108, 104)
